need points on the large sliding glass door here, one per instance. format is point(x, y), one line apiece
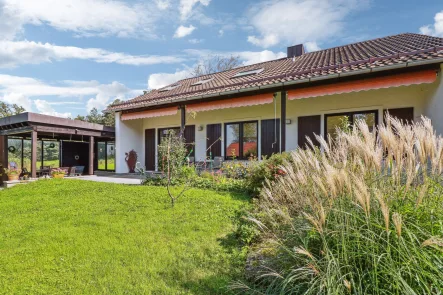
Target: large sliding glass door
point(106, 156)
point(19, 153)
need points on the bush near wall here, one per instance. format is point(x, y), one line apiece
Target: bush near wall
point(207, 180)
point(363, 217)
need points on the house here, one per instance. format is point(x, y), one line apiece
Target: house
point(273, 106)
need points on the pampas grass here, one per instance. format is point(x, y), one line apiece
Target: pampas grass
point(361, 215)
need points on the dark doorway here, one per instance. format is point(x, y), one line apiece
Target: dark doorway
point(404, 114)
point(308, 126)
point(150, 149)
point(74, 154)
point(270, 137)
point(213, 140)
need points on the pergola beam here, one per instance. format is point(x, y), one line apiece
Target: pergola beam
point(18, 130)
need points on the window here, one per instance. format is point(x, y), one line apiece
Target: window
point(247, 73)
point(241, 140)
point(338, 120)
point(169, 88)
point(201, 82)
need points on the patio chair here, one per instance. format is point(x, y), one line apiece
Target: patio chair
point(44, 171)
point(77, 170)
point(218, 163)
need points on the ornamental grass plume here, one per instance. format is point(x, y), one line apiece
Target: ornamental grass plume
point(362, 214)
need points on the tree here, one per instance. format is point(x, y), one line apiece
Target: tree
point(95, 116)
point(215, 63)
point(172, 150)
point(7, 110)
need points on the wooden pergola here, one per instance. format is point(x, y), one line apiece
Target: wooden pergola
point(37, 126)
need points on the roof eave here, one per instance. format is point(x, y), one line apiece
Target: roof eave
point(282, 84)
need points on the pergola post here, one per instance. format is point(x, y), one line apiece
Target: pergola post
point(91, 155)
point(34, 154)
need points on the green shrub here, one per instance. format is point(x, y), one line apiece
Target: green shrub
point(267, 169)
point(207, 180)
point(363, 217)
point(235, 169)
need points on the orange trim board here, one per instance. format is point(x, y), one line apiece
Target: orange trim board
point(231, 103)
point(404, 79)
point(150, 114)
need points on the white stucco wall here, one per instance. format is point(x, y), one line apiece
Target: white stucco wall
point(129, 136)
point(426, 99)
point(434, 107)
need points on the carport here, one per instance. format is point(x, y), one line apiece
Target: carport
point(31, 141)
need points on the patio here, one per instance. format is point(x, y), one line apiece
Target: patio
point(37, 144)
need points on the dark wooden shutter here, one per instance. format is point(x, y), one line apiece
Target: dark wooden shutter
point(270, 141)
point(308, 126)
point(404, 114)
point(150, 149)
point(213, 142)
point(190, 139)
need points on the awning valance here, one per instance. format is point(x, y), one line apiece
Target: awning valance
point(403, 79)
point(150, 114)
point(231, 103)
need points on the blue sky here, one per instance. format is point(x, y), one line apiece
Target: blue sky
point(64, 57)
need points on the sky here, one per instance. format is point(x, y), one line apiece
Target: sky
point(65, 57)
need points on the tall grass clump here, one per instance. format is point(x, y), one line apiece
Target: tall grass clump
point(362, 216)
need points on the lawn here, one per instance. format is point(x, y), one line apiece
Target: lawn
point(76, 237)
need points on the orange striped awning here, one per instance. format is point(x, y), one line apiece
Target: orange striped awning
point(404, 79)
point(150, 114)
point(231, 103)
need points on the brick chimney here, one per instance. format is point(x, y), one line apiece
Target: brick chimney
point(296, 50)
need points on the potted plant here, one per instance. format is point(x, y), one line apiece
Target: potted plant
point(58, 173)
point(13, 174)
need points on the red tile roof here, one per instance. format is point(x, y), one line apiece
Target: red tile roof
point(380, 53)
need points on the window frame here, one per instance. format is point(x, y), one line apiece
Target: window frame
point(248, 73)
point(351, 118)
point(240, 138)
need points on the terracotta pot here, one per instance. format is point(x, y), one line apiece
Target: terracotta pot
point(58, 176)
point(13, 177)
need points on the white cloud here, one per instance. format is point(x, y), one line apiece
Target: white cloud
point(83, 17)
point(45, 108)
point(115, 90)
point(13, 53)
point(251, 57)
point(436, 29)
point(186, 7)
point(156, 81)
point(196, 41)
point(267, 41)
point(26, 91)
point(248, 57)
point(18, 99)
point(183, 31)
point(299, 21)
point(311, 46)
point(163, 4)
point(221, 33)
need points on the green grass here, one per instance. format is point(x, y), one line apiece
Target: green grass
point(76, 237)
point(102, 164)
